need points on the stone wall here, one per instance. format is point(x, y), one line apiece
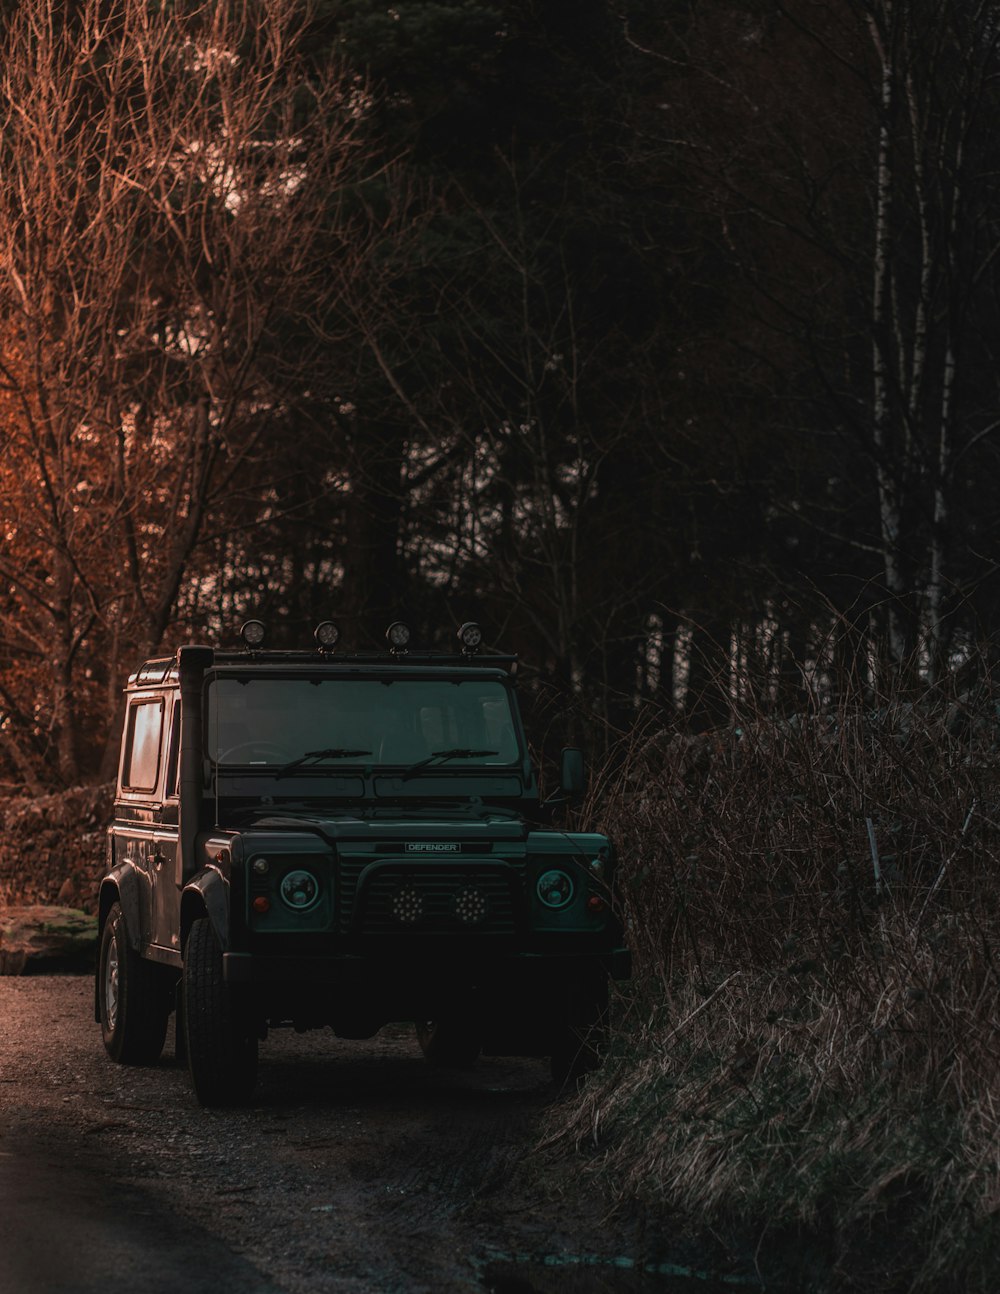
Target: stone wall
point(52, 849)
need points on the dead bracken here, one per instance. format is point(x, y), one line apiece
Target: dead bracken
point(808, 1048)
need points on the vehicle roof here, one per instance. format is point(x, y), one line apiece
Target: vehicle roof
point(165, 670)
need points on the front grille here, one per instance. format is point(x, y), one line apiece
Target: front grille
point(435, 897)
point(348, 871)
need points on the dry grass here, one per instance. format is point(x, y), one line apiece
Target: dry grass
point(811, 1044)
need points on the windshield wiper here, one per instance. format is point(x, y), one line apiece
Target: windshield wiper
point(332, 752)
point(457, 752)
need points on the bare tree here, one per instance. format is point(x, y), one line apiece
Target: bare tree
point(933, 252)
point(842, 152)
point(169, 225)
point(513, 468)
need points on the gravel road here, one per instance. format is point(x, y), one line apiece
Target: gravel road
point(357, 1169)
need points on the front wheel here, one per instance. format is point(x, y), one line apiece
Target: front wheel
point(220, 1041)
point(133, 1004)
point(449, 1044)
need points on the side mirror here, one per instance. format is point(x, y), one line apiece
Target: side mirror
point(572, 774)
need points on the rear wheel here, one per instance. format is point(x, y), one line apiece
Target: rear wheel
point(449, 1044)
point(133, 1003)
point(219, 1038)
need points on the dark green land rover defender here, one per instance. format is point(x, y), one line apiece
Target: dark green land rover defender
point(308, 838)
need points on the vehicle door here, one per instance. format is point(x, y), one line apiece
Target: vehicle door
point(163, 860)
point(139, 807)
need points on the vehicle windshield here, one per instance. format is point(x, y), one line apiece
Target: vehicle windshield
point(309, 724)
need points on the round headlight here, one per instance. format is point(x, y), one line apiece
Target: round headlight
point(470, 636)
point(398, 635)
point(327, 634)
point(300, 890)
point(253, 633)
point(554, 889)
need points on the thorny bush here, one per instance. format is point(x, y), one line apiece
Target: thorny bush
point(809, 1046)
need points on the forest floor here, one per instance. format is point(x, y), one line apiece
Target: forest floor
point(357, 1169)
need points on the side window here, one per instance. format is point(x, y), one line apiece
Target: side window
point(142, 750)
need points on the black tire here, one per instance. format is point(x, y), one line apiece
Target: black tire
point(220, 1041)
point(133, 1005)
point(580, 1041)
point(449, 1044)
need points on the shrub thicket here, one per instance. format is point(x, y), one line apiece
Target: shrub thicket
point(809, 1046)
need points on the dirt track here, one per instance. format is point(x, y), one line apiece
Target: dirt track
point(357, 1169)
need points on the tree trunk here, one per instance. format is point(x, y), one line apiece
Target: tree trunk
point(372, 593)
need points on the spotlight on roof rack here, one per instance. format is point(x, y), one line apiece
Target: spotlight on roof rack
point(470, 636)
point(398, 635)
point(327, 635)
point(253, 634)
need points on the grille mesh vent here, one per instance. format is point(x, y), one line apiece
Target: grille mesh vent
point(369, 911)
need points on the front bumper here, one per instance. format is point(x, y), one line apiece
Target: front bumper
point(370, 970)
